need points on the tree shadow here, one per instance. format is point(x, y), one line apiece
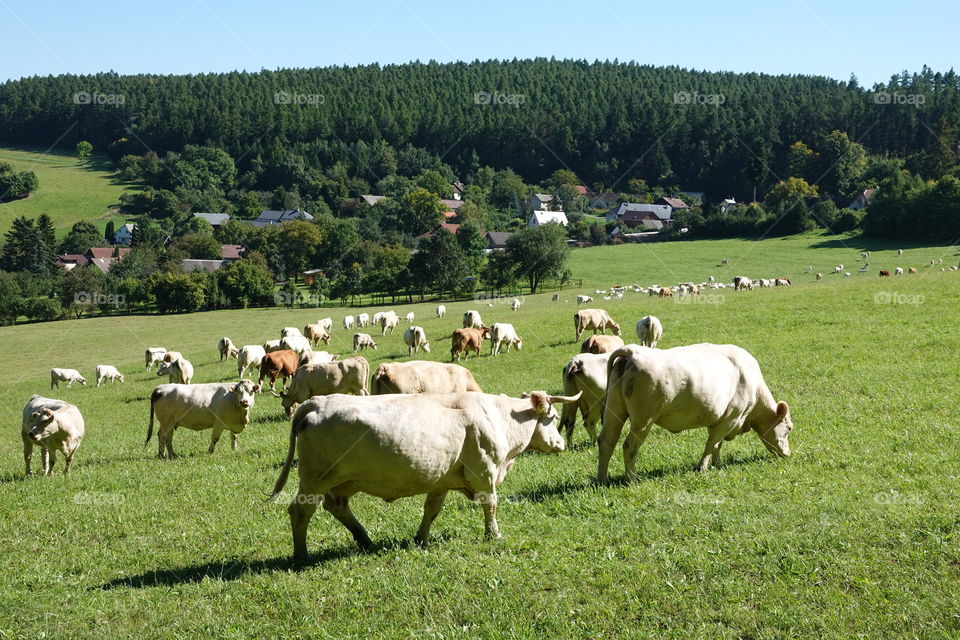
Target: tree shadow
point(865, 243)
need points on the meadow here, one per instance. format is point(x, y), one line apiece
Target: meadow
point(856, 535)
point(70, 189)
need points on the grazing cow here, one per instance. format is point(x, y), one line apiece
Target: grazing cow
point(226, 348)
point(472, 320)
point(250, 355)
point(467, 340)
point(180, 371)
point(649, 330)
point(69, 376)
point(348, 322)
point(514, 305)
point(898, 271)
point(441, 310)
point(666, 292)
point(344, 376)
point(410, 317)
point(278, 364)
point(503, 333)
point(415, 338)
point(397, 446)
point(316, 334)
point(782, 282)
point(316, 357)
point(363, 319)
point(153, 355)
point(217, 405)
point(375, 322)
point(363, 341)
point(742, 283)
point(899, 252)
point(723, 261)
point(422, 376)
point(582, 300)
point(838, 268)
point(555, 297)
point(884, 273)
point(290, 332)
point(596, 319)
point(108, 372)
point(846, 274)
point(296, 343)
point(913, 270)
point(584, 375)
point(719, 387)
point(326, 324)
point(272, 345)
point(601, 344)
point(388, 320)
point(53, 425)
point(819, 276)
point(171, 356)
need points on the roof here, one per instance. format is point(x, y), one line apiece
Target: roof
point(128, 226)
point(538, 218)
point(606, 195)
point(201, 265)
point(452, 228)
point(105, 252)
point(581, 189)
point(372, 199)
point(458, 186)
point(543, 197)
point(452, 205)
point(449, 214)
point(275, 216)
point(313, 272)
point(676, 203)
point(498, 238)
point(71, 260)
point(662, 211)
point(215, 219)
point(103, 264)
point(231, 251)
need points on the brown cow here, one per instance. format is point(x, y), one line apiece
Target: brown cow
point(467, 340)
point(278, 364)
point(665, 292)
point(316, 333)
point(913, 270)
point(884, 272)
point(601, 344)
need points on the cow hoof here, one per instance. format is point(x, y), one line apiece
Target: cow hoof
point(423, 543)
point(364, 543)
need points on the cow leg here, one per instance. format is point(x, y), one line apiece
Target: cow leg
point(301, 510)
point(431, 509)
point(234, 441)
point(66, 466)
point(631, 445)
point(214, 438)
point(51, 459)
point(491, 530)
point(711, 453)
point(339, 507)
point(614, 417)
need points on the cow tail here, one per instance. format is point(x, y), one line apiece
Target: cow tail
point(285, 471)
point(153, 398)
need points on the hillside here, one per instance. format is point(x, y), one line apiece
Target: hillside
point(70, 189)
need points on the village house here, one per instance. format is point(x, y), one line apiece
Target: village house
point(215, 219)
point(541, 202)
point(538, 218)
point(124, 234)
point(273, 216)
point(640, 211)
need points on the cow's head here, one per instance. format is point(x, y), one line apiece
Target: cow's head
point(42, 425)
point(287, 401)
point(518, 343)
point(82, 380)
point(121, 378)
point(164, 368)
point(426, 346)
point(245, 392)
point(484, 332)
point(775, 434)
point(613, 325)
point(546, 438)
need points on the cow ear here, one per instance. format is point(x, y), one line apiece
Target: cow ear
point(523, 395)
point(256, 388)
point(782, 410)
point(35, 415)
point(540, 402)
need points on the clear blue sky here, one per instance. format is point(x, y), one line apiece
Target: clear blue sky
point(819, 37)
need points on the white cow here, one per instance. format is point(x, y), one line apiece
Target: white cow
point(472, 320)
point(503, 333)
point(250, 355)
point(53, 425)
point(180, 371)
point(514, 305)
point(596, 319)
point(898, 271)
point(719, 387)
point(326, 324)
point(388, 320)
point(375, 321)
point(415, 338)
point(289, 332)
point(410, 317)
point(581, 300)
point(395, 446)
point(441, 310)
point(272, 345)
point(108, 372)
point(316, 357)
point(316, 333)
point(69, 376)
point(153, 355)
point(422, 376)
point(344, 376)
point(299, 344)
point(217, 405)
point(649, 330)
point(363, 319)
point(348, 322)
point(363, 341)
point(584, 374)
point(226, 348)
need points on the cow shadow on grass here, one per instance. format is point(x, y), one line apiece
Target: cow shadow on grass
point(136, 399)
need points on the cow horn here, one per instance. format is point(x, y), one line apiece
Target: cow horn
point(564, 399)
point(279, 395)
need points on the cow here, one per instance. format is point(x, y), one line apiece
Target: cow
point(913, 270)
point(596, 319)
point(172, 356)
point(363, 341)
point(665, 292)
point(180, 371)
point(153, 355)
point(601, 344)
point(555, 297)
point(272, 345)
point(226, 348)
point(582, 300)
point(819, 276)
point(375, 321)
point(782, 282)
point(441, 310)
point(649, 330)
point(344, 376)
point(467, 340)
point(742, 283)
point(363, 319)
point(472, 320)
point(290, 332)
point(899, 252)
point(316, 357)
point(250, 355)
point(514, 305)
point(326, 324)
point(415, 338)
point(222, 406)
point(53, 425)
point(719, 387)
point(585, 374)
point(278, 364)
point(898, 271)
point(388, 320)
point(410, 317)
point(348, 322)
point(108, 372)
point(69, 376)
point(838, 268)
point(503, 333)
point(884, 273)
point(296, 343)
point(422, 376)
point(397, 446)
point(316, 334)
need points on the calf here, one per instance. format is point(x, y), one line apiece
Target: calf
point(278, 364)
point(467, 340)
point(227, 349)
point(441, 310)
point(601, 344)
point(503, 333)
point(514, 305)
point(107, 372)
point(363, 341)
point(53, 425)
point(250, 355)
point(410, 317)
point(69, 376)
point(153, 355)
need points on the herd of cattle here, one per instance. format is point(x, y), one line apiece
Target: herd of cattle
point(426, 427)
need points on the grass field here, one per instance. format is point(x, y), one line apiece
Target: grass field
point(857, 535)
point(70, 189)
